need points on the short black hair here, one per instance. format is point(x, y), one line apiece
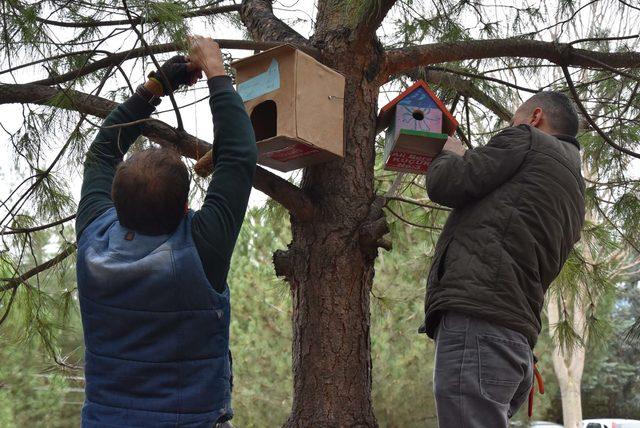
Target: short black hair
point(559, 111)
point(150, 191)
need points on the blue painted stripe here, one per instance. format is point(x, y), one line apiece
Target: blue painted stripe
point(261, 84)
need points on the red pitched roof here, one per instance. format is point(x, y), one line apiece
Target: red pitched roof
point(449, 123)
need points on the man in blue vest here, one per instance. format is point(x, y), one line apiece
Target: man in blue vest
point(151, 273)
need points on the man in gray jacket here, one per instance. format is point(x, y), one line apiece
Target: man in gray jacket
point(518, 209)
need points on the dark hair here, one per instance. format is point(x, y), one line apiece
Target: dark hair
point(559, 111)
point(150, 191)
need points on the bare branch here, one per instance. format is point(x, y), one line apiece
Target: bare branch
point(117, 58)
point(463, 86)
point(602, 39)
point(161, 74)
point(282, 191)
point(207, 11)
point(404, 59)
point(474, 76)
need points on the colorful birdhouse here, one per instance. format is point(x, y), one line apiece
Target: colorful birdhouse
point(296, 107)
point(417, 127)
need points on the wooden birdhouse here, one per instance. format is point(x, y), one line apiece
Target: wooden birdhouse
point(417, 126)
point(296, 106)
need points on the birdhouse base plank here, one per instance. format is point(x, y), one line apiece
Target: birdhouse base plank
point(287, 154)
point(424, 142)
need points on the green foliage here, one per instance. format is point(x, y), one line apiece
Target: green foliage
point(169, 15)
point(261, 325)
point(28, 395)
point(611, 382)
point(261, 335)
point(399, 353)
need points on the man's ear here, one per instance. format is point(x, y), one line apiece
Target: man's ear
point(536, 117)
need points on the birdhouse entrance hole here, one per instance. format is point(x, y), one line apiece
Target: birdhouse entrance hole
point(418, 115)
point(264, 119)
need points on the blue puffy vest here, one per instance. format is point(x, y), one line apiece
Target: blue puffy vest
point(156, 332)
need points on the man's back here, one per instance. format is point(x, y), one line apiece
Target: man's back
point(152, 276)
point(156, 333)
point(514, 222)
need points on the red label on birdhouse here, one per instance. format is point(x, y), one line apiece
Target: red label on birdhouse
point(409, 162)
point(292, 152)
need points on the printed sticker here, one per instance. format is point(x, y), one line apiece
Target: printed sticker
point(292, 152)
point(410, 162)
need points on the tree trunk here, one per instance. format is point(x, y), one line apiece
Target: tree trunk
point(329, 266)
point(568, 364)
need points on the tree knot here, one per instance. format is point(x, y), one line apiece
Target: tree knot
point(375, 226)
point(284, 262)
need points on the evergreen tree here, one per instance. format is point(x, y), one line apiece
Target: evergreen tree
point(64, 64)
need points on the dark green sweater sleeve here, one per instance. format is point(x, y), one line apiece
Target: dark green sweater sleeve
point(216, 225)
point(106, 151)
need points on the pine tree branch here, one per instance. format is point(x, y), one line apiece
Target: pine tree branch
point(117, 58)
point(410, 223)
point(161, 74)
point(287, 194)
point(41, 176)
point(472, 76)
point(589, 119)
point(414, 202)
point(9, 305)
point(37, 228)
point(206, 11)
point(11, 283)
point(404, 59)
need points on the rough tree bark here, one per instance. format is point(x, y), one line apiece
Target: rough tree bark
point(331, 271)
point(329, 263)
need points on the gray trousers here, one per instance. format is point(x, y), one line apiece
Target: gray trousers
point(483, 372)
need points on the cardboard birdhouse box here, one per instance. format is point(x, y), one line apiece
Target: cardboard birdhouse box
point(296, 106)
point(417, 126)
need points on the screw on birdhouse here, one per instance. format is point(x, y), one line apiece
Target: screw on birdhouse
point(333, 97)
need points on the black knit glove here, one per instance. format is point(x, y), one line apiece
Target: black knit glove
point(178, 71)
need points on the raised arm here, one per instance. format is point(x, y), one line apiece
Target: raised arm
point(216, 225)
point(111, 143)
point(454, 180)
point(106, 151)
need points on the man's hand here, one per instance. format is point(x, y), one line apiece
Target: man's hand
point(205, 54)
point(455, 146)
point(177, 70)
